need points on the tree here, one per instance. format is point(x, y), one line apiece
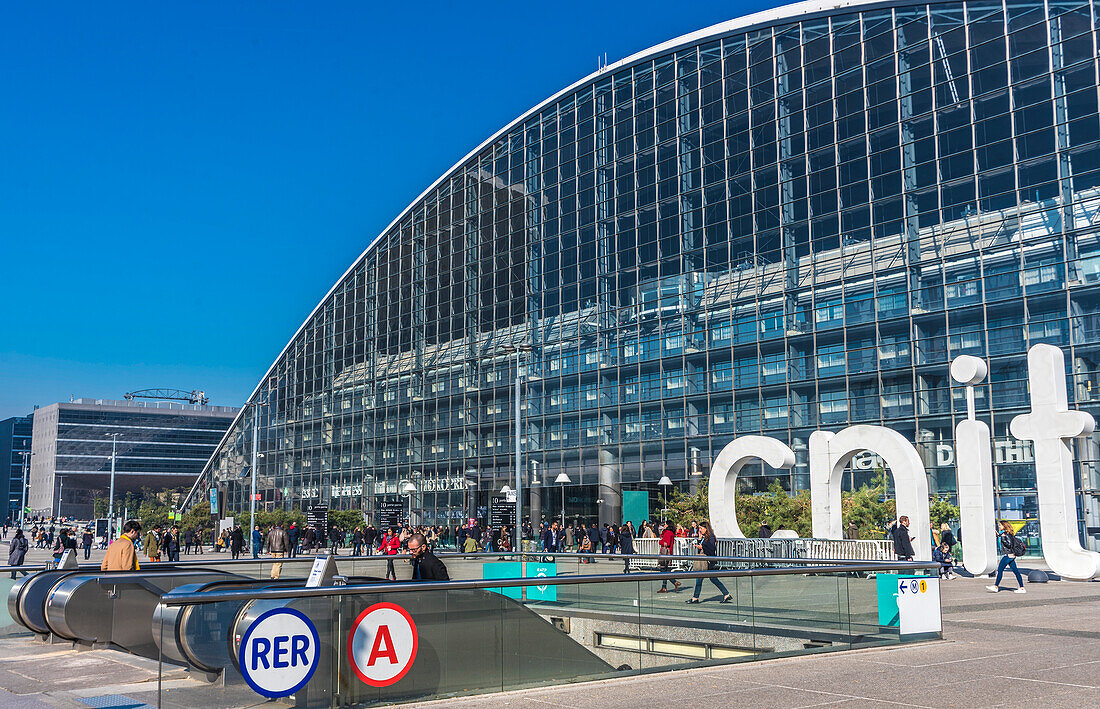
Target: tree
point(346, 520)
point(941, 511)
point(683, 508)
point(777, 508)
point(869, 508)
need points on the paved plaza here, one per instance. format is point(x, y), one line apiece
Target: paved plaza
point(1039, 649)
point(1042, 649)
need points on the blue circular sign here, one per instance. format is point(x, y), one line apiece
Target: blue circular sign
point(279, 652)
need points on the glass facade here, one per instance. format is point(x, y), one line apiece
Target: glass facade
point(15, 447)
point(793, 222)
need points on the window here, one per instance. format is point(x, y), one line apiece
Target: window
point(833, 406)
point(830, 359)
point(774, 366)
point(829, 311)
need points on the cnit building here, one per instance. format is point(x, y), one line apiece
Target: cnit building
point(789, 221)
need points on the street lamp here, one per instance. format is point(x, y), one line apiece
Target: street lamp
point(60, 492)
point(519, 469)
point(562, 480)
point(23, 510)
point(665, 483)
point(409, 489)
point(111, 498)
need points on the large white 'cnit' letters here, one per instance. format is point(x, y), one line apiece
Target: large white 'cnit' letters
point(1049, 426)
point(830, 453)
point(974, 474)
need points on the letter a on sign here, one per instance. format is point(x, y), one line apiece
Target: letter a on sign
point(383, 647)
point(382, 644)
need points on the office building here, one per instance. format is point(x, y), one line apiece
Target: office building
point(159, 445)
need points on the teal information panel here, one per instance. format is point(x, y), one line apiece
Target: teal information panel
point(887, 591)
point(635, 507)
point(504, 570)
point(542, 593)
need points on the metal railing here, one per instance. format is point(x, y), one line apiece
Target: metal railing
point(820, 567)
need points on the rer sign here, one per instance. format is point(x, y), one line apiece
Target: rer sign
point(279, 652)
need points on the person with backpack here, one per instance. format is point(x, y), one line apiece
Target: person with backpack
point(1011, 547)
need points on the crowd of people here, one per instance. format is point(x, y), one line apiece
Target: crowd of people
point(165, 543)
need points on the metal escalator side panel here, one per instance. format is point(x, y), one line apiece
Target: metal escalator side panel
point(32, 596)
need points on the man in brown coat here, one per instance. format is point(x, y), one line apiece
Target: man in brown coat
point(121, 555)
point(278, 541)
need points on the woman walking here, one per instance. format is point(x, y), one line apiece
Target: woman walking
point(17, 551)
point(708, 546)
point(668, 539)
point(626, 544)
point(1011, 547)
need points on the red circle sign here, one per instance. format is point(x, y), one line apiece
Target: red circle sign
point(382, 644)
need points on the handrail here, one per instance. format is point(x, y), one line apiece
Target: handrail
point(170, 599)
point(153, 565)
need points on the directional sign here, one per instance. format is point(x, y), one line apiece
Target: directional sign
point(279, 652)
point(919, 605)
point(382, 644)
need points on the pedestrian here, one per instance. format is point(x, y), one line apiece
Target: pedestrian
point(664, 563)
point(626, 544)
point(469, 544)
point(151, 544)
point(293, 533)
point(198, 540)
point(86, 540)
point(426, 566)
point(188, 541)
point(594, 540)
point(277, 542)
point(236, 541)
point(708, 546)
point(942, 555)
point(357, 542)
point(389, 546)
point(121, 555)
point(257, 542)
point(171, 543)
point(946, 536)
point(765, 532)
point(1011, 547)
point(903, 543)
point(59, 544)
point(17, 551)
point(548, 539)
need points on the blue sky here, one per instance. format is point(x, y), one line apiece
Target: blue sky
point(181, 183)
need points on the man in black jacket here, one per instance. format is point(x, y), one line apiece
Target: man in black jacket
point(903, 543)
point(426, 565)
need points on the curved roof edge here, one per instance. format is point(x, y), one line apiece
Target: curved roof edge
point(799, 10)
